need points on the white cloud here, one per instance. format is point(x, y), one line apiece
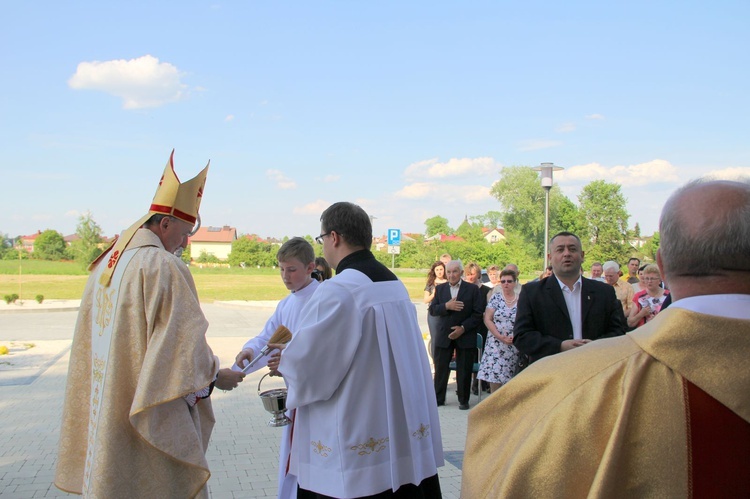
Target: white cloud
point(536, 144)
point(229, 117)
point(595, 116)
point(730, 173)
point(418, 190)
point(282, 181)
point(73, 214)
point(566, 127)
point(655, 171)
point(140, 83)
point(314, 208)
point(443, 193)
point(454, 167)
point(331, 178)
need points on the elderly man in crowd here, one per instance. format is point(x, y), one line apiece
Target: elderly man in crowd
point(623, 290)
point(459, 305)
point(661, 412)
point(596, 271)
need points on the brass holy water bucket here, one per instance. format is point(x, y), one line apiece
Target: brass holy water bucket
point(274, 401)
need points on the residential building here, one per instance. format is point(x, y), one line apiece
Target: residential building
point(216, 241)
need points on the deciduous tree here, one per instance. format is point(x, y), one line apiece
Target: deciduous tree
point(522, 198)
point(437, 225)
point(604, 213)
point(491, 219)
point(87, 247)
point(49, 245)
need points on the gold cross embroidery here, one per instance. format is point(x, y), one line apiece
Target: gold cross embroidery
point(104, 306)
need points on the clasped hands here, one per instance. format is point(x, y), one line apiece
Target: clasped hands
point(571, 344)
point(456, 331)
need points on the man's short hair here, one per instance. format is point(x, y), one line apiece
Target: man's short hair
point(455, 262)
point(722, 245)
point(350, 222)
point(156, 219)
point(636, 259)
point(597, 264)
point(611, 265)
point(298, 248)
point(566, 234)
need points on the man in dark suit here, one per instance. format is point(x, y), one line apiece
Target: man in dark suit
point(565, 310)
point(459, 306)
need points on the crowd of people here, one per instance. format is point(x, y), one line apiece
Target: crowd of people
point(641, 295)
point(659, 412)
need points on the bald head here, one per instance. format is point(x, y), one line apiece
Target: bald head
point(705, 238)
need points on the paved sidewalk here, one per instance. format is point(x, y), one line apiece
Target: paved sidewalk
point(243, 453)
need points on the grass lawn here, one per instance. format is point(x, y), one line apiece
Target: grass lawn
point(65, 281)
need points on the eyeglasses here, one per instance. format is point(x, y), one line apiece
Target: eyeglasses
point(651, 279)
point(506, 282)
point(319, 239)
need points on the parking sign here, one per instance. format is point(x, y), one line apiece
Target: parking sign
point(394, 237)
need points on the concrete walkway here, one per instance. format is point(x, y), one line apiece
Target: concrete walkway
point(243, 453)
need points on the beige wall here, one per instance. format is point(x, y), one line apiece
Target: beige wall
point(219, 250)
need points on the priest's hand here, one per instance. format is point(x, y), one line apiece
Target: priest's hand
point(244, 357)
point(228, 379)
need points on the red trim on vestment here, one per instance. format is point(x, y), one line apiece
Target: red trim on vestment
point(719, 447)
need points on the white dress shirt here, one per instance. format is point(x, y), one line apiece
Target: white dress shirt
point(573, 302)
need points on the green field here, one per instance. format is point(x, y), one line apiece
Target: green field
point(65, 281)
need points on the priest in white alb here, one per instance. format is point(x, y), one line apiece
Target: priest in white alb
point(360, 389)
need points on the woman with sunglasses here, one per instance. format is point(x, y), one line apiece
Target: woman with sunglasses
point(500, 358)
point(649, 300)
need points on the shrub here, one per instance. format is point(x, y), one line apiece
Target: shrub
point(8, 299)
point(39, 298)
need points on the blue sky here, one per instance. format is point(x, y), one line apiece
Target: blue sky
point(410, 109)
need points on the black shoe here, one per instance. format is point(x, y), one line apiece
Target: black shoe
point(440, 404)
point(475, 391)
point(464, 407)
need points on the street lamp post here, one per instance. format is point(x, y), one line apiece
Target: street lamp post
point(546, 170)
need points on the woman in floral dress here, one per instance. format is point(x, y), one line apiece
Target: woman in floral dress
point(500, 358)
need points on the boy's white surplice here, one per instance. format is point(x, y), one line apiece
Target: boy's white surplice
point(359, 379)
point(287, 313)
